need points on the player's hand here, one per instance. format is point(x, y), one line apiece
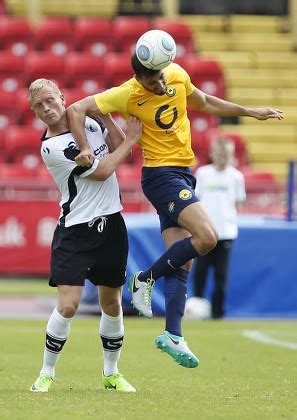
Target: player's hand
point(85, 158)
point(134, 130)
point(266, 113)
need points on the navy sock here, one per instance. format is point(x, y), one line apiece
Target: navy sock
point(172, 259)
point(175, 291)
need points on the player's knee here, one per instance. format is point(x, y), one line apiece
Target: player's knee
point(68, 309)
point(207, 242)
point(112, 307)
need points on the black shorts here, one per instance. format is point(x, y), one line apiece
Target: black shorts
point(96, 251)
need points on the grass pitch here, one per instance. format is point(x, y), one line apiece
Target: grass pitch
point(238, 378)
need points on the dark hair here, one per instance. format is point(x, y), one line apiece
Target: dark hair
point(139, 69)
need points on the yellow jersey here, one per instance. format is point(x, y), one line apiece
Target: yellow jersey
point(166, 138)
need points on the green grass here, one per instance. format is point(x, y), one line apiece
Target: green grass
point(237, 378)
point(26, 287)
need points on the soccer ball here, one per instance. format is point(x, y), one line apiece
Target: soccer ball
point(155, 49)
point(197, 308)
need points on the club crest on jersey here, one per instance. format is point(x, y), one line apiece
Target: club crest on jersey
point(185, 194)
point(171, 207)
point(91, 127)
point(170, 91)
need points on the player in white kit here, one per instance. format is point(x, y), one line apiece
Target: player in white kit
point(90, 240)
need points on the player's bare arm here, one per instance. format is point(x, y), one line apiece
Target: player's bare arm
point(110, 163)
point(115, 134)
point(76, 115)
point(215, 106)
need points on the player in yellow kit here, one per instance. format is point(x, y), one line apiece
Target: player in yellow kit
point(160, 100)
point(166, 139)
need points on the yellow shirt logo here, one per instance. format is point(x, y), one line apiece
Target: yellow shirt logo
point(170, 91)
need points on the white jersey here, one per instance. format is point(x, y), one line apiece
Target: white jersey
point(219, 191)
point(82, 199)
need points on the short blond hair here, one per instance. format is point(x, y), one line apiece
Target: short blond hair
point(225, 144)
point(39, 84)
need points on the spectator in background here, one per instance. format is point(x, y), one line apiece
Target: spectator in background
point(220, 187)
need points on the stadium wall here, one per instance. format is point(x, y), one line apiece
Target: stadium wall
point(263, 275)
point(263, 271)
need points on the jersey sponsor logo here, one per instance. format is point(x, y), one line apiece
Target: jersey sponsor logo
point(158, 117)
point(172, 129)
point(100, 149)
point(185, 194)
point(142, 103)
point(170, 91)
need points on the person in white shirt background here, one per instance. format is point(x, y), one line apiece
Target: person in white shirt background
point(220, 187)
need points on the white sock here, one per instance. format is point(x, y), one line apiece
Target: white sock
point(57, 332)
point(111, 331)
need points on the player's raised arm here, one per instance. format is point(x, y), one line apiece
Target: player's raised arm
point(215, 106)
point(76, 115)
point(111, 162)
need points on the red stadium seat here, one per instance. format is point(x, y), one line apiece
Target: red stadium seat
point(14, 178)
point(133, 199)
point(206, 74)
point(8, 114)
point(55, 35)
point(73, 95)
point(23, 145)
point(9, 171)
point(93, 35)
point(201, 148)
point(24, 112)
point(117, 68)
point(201, 122)
point(3, 156)
point(44, 65)
point(181, 33)
point(129, 176)
point(85, 71)
point(17, 180)
point(260, 182)
point(16, 35)
point(127, 30)
point(11, 71)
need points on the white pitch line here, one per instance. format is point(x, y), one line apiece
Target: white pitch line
point(265, 339)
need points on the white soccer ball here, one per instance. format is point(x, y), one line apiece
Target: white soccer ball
point(197, 308)
point(155, 49)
